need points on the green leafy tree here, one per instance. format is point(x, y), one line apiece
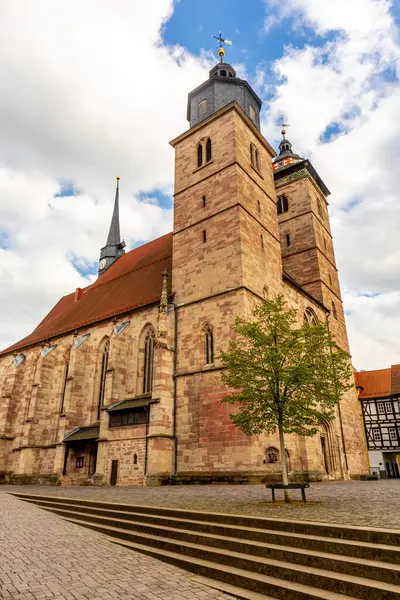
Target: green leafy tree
point(283, 376)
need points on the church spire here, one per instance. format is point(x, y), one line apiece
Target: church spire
point(114, 247)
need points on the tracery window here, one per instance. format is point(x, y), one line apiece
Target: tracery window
point(148, 361)
point(64, 388)
point(272, 455)
point(282, 204)
point(310, 318)
point(208, 150)
point(209, 343)
point(103, 375)
point(199, 155)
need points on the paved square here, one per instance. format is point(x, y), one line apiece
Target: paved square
point(43, 557)
point(365, 503)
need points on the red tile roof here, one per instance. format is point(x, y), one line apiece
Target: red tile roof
point(379, 384)
point(134, 280)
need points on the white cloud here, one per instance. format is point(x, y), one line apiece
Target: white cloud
point(89, 91)
point(349, 83)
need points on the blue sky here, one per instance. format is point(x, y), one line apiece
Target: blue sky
point(194, 23)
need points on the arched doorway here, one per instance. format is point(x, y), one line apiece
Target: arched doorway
point(325, 448)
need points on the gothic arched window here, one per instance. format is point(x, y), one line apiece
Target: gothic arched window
point(148, 361)
point(199, 155)
point(64, 387)
point(103, 373)
point(282, 204)
point(310, 318)
point(272, 455)
point(209, 343)
point(257, 157)
point(334, 310)
point(208, 150)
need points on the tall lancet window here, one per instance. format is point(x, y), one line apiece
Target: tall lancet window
point(208, 150)
point(199, 155)
point(103, 374)
point(64, 387)
point(148, 361)
point(209, 343)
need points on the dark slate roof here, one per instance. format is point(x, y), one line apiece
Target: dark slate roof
point(129, 403)
point(133, 281)
point(83, 433)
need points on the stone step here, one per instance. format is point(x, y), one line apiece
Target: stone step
point(296, 542)
point(319, 579)
point(265, 585)
point(329, 530)
point(377, 570)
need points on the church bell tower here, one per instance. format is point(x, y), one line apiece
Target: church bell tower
point(114, 247)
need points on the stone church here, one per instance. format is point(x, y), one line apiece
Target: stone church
point(121, 382)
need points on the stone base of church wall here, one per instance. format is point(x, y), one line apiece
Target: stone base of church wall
point(129, 472)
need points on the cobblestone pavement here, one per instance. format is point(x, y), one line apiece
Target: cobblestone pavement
point(43, 557)
point(368, 503)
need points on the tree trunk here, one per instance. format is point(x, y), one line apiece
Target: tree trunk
point(285, 478)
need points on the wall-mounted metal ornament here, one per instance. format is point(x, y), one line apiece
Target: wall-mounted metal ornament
point(47, 351)
point(79, 341)
point(19, 359)
point(119, 328)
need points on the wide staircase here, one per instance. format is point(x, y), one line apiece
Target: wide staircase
point(249, 557)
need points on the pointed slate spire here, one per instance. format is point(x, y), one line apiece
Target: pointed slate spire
point(114, 247)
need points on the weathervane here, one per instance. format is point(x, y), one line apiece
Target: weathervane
point(284, 126)
point(221, 49)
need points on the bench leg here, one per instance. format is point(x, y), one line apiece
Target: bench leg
point(303, 495)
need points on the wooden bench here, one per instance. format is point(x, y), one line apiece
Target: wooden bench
point(290, 486)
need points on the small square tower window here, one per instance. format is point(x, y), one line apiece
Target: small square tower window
point(202, 107)
point(252, 113)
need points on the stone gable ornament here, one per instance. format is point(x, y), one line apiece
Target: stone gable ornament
point(79, 341)
point(47, 351)
point(119, 328)
point(18, 360)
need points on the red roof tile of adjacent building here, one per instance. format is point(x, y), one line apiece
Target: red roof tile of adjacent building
point(379, 384)
point(133, 281)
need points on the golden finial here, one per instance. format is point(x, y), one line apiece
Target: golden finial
point(221, 50)
point(118, 178)
point(284, 127)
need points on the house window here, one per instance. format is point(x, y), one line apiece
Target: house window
point(389, 408)
point(80, 460)
point(392, 434)
point(103, 373)
point(208, 150)
point(202, 108)
point(148, 361)
point(310, 318)
point(66, 371)
point(252, 113)
point(204, 201)
point(381, 408)
point(288, 240)
point(334, 310)
point(282, 204)
point(376, 434)
point(209, 339)
point(137, 416)
point(199, 155)
point(272, 455)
